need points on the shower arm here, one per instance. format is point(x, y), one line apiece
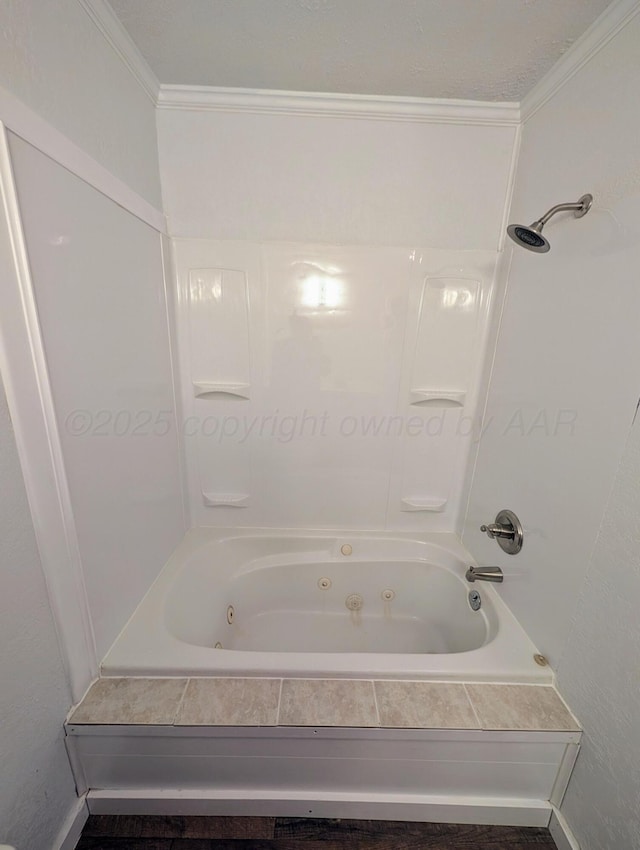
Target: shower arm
point(579, 207)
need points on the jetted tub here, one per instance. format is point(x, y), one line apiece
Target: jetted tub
point(291, 603)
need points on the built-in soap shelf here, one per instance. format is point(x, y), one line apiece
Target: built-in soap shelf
point(418, 503)
point(227, 500)
point(218, 330)
point(440, 360)
point(207, 388)
point(437, 398)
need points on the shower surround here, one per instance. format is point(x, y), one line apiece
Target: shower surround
point(329, 386)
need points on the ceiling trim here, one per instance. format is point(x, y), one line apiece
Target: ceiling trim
point(312, 104)
point(410, 109)
point(600, 33)
point(123, 45)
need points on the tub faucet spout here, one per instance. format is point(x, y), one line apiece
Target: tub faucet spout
point(484, 574)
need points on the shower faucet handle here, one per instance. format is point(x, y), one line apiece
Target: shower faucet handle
point(496, 529)
point(507, 530)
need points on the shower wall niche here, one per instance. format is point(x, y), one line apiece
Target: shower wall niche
point(329, 386)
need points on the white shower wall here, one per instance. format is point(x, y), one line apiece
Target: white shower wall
point(98, 283)
point(334, 292)
point(565, 383)
point(327, 386)
point(55, 60)
point(320, 178)
point(569, 342)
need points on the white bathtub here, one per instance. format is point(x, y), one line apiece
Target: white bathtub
point(281, 603)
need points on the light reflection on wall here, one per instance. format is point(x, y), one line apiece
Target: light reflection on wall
point(206, 288)
point(321, 290)
point(458, 297)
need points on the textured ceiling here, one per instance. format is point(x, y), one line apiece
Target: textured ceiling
point(476, 49)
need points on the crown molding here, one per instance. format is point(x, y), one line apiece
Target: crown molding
point(312, 104)
point(366, 107)
point(116, 35)
point(600, 33)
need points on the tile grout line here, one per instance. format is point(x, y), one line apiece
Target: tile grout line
point(473, 707)
point(375, 703)
point(566, 705)
point(279, 702)
point(180, 702)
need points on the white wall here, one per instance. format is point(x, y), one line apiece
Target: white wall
point(598, 673)
point(57, 62)
point(337, 180)
point(304, 375)
point(98, 281)
point(373, 205)
point(64, 86)
point(37, 787)
point(569, 342)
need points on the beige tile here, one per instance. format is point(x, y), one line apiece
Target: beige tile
point(424, 705)
point(230, 702)
point(130, 700)
point(327, 702)
point(533, 707)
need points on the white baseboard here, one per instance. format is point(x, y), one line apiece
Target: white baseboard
point(561, 832)
point(291, 803)
point(70, 833)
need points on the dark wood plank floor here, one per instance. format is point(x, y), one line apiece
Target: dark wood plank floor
point(129, 832)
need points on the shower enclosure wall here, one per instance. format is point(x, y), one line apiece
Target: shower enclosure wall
point(327, 347)
point(317, 368)
point(329, 386)
point(332, 336)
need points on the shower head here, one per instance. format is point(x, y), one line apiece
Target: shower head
point(531, 237)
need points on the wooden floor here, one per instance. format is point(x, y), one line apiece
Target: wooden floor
point(128, 832)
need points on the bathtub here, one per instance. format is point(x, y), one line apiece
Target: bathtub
point(249, 602)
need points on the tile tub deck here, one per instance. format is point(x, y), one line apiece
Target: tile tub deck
point(401, 750)
point(323, 702)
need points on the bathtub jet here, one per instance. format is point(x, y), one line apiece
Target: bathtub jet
point(531, 237)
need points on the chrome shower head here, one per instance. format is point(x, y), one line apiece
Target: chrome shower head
point(531, 237)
